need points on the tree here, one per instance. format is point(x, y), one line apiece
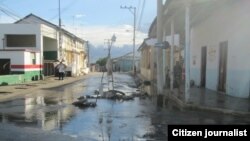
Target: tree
point(102, 61)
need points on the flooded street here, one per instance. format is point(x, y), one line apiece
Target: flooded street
point(48, 114)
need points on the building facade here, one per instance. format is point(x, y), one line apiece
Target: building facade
point(214, 35)
point(72, 50)
point(29, 49)
point(20, 52)
point(146, 49)
point(125, 63)
point(219, 49)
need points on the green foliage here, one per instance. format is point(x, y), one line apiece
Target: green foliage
point(102, 61)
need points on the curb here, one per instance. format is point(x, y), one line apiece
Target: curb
point(47, 85)
point(184, 105)
point(218, 110)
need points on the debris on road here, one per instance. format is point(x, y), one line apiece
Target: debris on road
point(84, 103)
point(112, 94)
point(117, 95)
point(121, 91)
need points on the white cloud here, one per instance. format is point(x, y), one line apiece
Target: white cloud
point(97, 34)
point(79, 15)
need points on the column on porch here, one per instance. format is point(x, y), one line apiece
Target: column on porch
point(172, 56)
point(159, 50)
point(187, 51)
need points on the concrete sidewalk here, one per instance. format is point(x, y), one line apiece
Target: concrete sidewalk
point(10, 91)
point(204, 99)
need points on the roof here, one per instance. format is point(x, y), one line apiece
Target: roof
point(148, 42)
point(199, 10)
point(25, 20)
point(128, 55)
point(152, 29)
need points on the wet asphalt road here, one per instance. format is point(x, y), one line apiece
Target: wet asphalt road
point(49, 115)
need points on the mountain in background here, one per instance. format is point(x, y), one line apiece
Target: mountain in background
point(101, 52)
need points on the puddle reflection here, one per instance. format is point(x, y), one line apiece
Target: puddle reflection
point(45, 109)
point(39, 112)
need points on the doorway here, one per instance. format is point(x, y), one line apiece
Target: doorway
point(203, 66)
point(222, 66)
point(4, 66)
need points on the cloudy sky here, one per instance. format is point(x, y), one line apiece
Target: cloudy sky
point(92, 20)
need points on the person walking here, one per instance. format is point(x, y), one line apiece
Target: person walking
point(61, 70)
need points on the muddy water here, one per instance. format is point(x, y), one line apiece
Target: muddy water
point(139, 119)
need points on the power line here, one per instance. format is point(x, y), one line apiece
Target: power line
point(138, 7)
point(141, 16)
point(16, 17)
point(6, 13)
point(9, 13)
point(64, 9)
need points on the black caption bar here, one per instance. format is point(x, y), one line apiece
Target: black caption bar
point(208, 132)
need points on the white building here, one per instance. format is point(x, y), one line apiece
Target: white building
point(20, 50)
point(31, 47)
point(73, 48)
point(220, 49)
point(219, 44)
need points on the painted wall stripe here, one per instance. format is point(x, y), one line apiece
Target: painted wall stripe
point(26, 66)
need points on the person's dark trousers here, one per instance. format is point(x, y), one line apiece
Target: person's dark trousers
point(61, 75)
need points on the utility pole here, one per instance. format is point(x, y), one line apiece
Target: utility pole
point(87, 43)
point(110, 43)
point(172, 57)
point(160, 75)
point(133, 11)
point(60, 30)
point(109, 65)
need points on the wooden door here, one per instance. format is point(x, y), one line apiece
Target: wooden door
point(222, 66)
point(203, 66)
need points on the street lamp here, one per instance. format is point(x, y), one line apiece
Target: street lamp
point(133, 11)
point(88, 47)
point(113, 39)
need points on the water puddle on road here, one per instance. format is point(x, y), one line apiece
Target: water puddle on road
point(52, 110)
point(110, 119)
point(138, 119)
